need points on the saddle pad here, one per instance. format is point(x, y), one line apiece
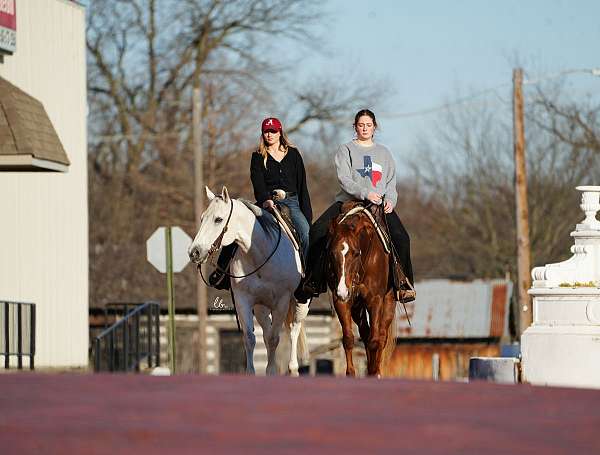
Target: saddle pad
point(385, 240)
point(289, 231)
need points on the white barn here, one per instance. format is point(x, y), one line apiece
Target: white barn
point(44, 199)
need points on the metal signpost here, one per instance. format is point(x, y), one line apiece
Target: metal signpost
point(166, 250)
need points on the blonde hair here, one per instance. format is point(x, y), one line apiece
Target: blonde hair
point(284, 145)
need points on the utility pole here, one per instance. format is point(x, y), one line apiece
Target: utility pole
point(202, 295)
point(522, 210)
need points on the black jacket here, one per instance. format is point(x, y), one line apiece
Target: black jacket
point(288, 175)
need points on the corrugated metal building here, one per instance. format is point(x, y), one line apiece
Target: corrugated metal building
point(451, 321)
point(44, 213)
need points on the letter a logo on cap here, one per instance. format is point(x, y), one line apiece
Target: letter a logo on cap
point(271, 124)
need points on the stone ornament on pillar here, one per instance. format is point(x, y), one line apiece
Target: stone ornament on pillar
point(584, 266)
point(561, 346)
point(590, 204)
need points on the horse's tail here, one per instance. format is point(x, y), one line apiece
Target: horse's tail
point(303, 352)
point(390, 346)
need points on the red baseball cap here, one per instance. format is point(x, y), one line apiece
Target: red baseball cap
point(271, 124)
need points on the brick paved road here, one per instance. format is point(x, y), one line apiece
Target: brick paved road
point(43, 413)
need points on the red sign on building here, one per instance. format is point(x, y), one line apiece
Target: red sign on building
point(8, 26)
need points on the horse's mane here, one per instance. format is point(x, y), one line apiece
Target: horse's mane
point(264, 218)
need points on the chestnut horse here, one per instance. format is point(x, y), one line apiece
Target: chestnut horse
point(359, 279)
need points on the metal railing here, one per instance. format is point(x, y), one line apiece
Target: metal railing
point(17, 329)
point(134, 338)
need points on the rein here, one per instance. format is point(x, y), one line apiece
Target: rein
point(357, 276)
point(217, 244)
point(362, 267)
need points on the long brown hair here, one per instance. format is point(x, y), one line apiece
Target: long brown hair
point(284, 145)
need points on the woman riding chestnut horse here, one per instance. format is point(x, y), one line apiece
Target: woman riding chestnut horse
point(359, 274)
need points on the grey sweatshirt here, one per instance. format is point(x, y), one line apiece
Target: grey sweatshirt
point(361, 170)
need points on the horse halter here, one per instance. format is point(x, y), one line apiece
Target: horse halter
point(217, 243)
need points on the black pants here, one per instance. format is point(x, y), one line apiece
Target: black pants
point(318, 234)
point(401, 242)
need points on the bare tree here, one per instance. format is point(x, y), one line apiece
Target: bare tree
point(144, 59)
point(574, 124)
point(463, 196)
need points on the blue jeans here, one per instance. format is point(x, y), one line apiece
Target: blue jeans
point(299, 221)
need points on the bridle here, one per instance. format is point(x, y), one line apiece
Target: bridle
point(217, 245)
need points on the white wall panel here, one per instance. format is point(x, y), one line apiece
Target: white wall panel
point(44, 216)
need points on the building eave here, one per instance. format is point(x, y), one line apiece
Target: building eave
point(29, 163)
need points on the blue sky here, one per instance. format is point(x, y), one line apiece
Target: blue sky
point(432, 52)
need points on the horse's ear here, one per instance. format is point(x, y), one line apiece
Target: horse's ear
point(209, 194)
point(225, 194)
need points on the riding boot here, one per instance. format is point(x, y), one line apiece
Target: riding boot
point(314, 281)
point(303, 294)
point(219, 278)
point(403, 289)
point(400, 263)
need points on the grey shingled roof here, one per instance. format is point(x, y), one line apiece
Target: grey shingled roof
point(25, 128)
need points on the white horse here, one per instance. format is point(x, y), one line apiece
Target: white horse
point(267, 290)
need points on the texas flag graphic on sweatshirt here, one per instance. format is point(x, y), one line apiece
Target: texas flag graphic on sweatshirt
point(372, 170)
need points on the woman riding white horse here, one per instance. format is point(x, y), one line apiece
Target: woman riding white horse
point(277, 174)
point(264, 272)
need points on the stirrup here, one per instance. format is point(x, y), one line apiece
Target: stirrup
point(301, 295)
point(405, 295)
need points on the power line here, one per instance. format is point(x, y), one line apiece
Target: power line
point(493, 90)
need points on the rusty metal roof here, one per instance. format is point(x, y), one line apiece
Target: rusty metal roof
point(28, 140)
point(457, 309)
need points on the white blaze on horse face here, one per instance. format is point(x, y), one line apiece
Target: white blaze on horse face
point(342, 290)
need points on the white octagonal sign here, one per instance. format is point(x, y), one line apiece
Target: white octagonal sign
point(156, 249)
